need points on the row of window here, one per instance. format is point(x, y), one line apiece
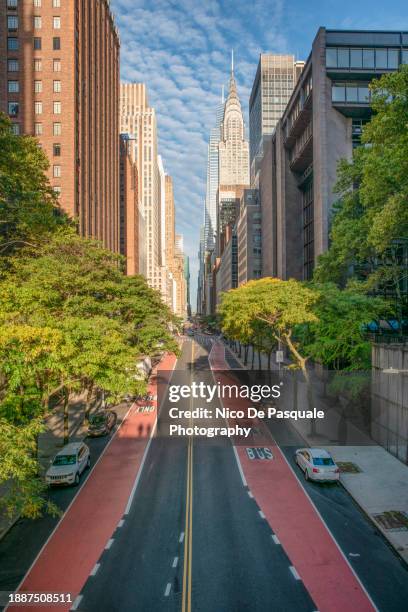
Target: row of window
point(351, 92)
point(365, 58)
point(13, 43)
point(13, 4)
point(12, 23)
point(13, 65)
point(14, 86)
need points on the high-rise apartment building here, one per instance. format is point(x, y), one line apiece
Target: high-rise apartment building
point(275, 79)
point(174, 253)
point(130, 217)
point(59, 82)
point(321, 124)
point(138, 119)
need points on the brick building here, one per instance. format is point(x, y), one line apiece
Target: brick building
point(59, 81)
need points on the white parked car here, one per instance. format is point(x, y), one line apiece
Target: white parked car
point(317, 464)
point(68, 465)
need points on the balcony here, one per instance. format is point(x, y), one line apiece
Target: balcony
point(299, 124)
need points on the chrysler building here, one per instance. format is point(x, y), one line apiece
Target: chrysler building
point(233, 147)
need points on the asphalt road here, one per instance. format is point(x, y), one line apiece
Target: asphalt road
point(194, 539)
point(20, 546)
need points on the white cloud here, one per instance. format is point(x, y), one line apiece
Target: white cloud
point(182, 52)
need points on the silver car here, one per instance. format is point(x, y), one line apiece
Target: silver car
point(317, 464)
point(68, 465)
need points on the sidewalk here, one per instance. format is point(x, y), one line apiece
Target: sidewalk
point(379, 487)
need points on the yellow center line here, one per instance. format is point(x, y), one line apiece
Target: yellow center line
point(188, 534)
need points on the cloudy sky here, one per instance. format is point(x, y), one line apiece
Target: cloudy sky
point(181, 50)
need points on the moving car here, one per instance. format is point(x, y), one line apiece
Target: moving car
point(68, 465)
point(317, 464)
point(102, 423)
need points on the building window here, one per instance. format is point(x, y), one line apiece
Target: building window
point(57, 65)
point(12, 23)
point(37, 65)
point(37, 43)
point(38, 129)
point(12, 4)
point(368, 58)
point(38, 108)
point(15, 129)
point(13, 87)
point(37, 3)
point(56, 171)
point(57, 23)
point(56, 3)
point(37, 22)
point(57, 108)
point(38, 86)
point(56, 150)
point(13, 108)
point(56, 129)
point(56, 43)
point(12, 44)
point(57, 86)
point(12, 65)
point(57, 190)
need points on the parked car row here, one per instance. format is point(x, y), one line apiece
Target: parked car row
point(72, 460)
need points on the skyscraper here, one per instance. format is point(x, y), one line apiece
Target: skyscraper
point(51, 89)
point(275, 79)
point(138, 119)
point(210, 215)
point(233, 147)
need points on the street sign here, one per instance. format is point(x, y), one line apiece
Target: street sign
point(259, 453)
point(279, 356)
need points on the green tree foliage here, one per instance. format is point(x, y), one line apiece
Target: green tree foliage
point(28, 207)
point(372, 212)
point(70, 320)
point(279, 305)
point(336, 338)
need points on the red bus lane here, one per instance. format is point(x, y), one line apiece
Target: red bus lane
point(293, 518)
point(68, 557)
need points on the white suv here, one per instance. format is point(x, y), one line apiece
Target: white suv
point(68, 465)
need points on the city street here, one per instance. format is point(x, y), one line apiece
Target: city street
point(196, 530)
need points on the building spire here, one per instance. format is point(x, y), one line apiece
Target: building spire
point(232, 62)
point(222, 95)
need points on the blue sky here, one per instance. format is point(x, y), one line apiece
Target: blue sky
point(181, 50)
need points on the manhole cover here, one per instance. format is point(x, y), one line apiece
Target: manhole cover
point(347, 467)
point(392, 520)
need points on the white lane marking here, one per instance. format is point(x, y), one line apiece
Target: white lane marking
point(250, 495)
point(175, 561)
point(95, 569)
point(139, 473)
point(241, 471)
point(294, 572)
point(109, 544)
point(76, 602)
point(168, 589)
point(330, 533)
point(121, 523)
point(71, 503)
point(181, 538)
point(261, 514)
point(275, 539)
